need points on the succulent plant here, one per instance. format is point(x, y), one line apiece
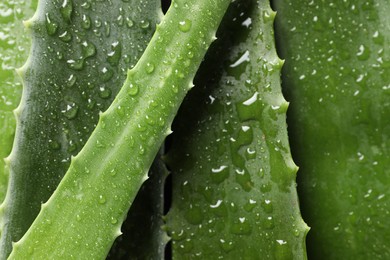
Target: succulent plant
point(102, 84)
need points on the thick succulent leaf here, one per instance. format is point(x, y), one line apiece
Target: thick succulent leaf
point(234, 191)
point(84, 215)
point(143, 236)
point(80, 54)
point(14, 46)
point(337, 77)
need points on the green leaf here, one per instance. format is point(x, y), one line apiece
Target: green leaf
point(143, 236)
point(81, 52)
point(83, 216)
point(234, 194)
point(337, 79)
point(14, 45)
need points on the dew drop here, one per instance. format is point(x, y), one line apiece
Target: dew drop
point(66, 10)
point(269, 223)
point(76, 64)
point(267, 206)
point(363, 53)
point(115, 54)
point(65, 36)
point(149, 68)
point(107, 74)
point(86, 22)
point(144, 24)
point(51, 27)
point(185, 25)
point(71, 81)
point(104, 92)
point(88, 49)
point(219, 174)
point(175, 89)
point(113, 172)
point(241, 60)
point(132, 89)
point(241, 227)
point(129, 22)
point(226, 246)
point(70, 111)
point(282, 250)
point(102, 199)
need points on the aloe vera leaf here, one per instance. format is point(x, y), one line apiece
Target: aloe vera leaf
point(143, 236)
point(83, 216)
point(14, 45)
point(81, 52)
point(337, 79)
point(234, 192)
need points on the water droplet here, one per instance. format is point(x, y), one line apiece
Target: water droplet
point(241, 60)
point(185, 25)
point(244, 179)
point(66, 10)
point(219, 174)
point(267, 206)
point(113, 172)
point(269, 223)
point(150, 120)
point(226, 246)
point(76, 64)
point(114, 220)
point(144, 24)
point(71, 81)
point(363, 53)
point(175, 89)
point(100, 144)
point(250, 205)
point(250, 108)
point(186, 245)
point(282, 250)
point(129, 22)
point(72, 147)
point(65, 36)
point(266, 187)
point(104, 92)
point(130, 141)
point(70, 111)
point(107, 29)
point(177, 236)
point(149, 68)
point(86, 22)
point(245, 136)
point(102, 199)
point(86, 5)
point(267, 16)
point(241, 227)
point(141, 150)
point(107, 74)
point(115, 54)
point(216, 205)
point(88, 49)
point(120, 111)
point(250, 153)
point(132, 89)
point(51, 27)
point(120, 20)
